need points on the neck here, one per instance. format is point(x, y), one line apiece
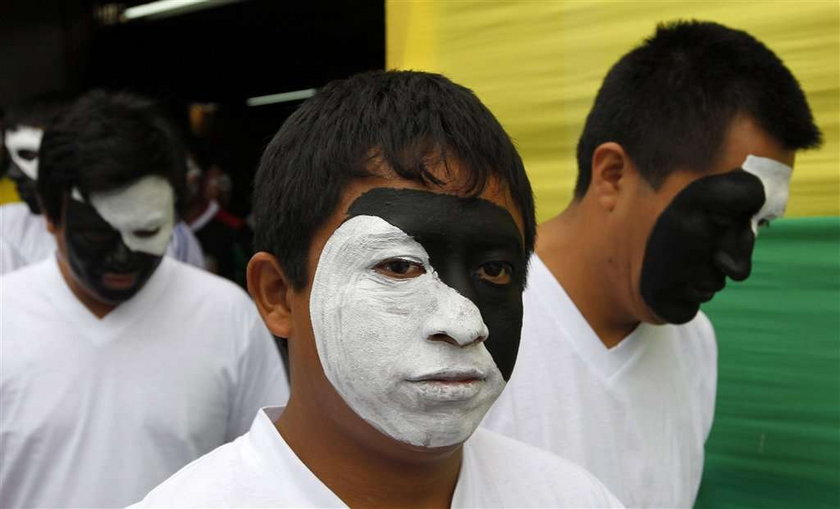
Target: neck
point(368, 469)
point(94, 305)
point(576, 249)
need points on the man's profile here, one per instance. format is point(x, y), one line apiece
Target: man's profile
point(687, 151)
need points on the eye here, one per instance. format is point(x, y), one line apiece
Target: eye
point(397, 268)
point(145, 234)
point(27, 155)
point(497, 273)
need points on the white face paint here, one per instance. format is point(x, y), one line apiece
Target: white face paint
point(22, 139)
point(143, 212)
point(376, 339)
point(775, 177)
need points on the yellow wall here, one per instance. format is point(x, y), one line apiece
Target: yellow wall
point(538, 65)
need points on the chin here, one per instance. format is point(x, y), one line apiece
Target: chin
point(678, 314)
point(446, 432)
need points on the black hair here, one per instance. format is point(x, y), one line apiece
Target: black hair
point(669, 101)
point(404, 121)
point(39, 111)
point(104, 141)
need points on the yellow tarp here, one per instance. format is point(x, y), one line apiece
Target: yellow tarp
point(538, 65)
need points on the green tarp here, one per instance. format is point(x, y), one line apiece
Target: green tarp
point(776, 436)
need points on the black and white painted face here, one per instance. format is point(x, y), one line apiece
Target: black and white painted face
point(707, 233)
point(23, 143)
point(116, 241)
point(416, 307)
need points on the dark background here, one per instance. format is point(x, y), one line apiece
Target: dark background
point(221, 55)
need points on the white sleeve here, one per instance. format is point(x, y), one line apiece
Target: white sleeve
point(260, 377)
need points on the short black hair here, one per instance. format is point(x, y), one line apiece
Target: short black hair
point(669, 101)
point(103, 141)
point(404, 121)
point(39, 111)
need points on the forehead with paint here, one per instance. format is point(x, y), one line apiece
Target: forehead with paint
point(706, 234)
point(416, 309)
point(115, 239)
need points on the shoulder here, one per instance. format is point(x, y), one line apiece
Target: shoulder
point(697, 337)
point(213, 480)
point(700, 326)
point(28, 280)
point(204, 284)
point(535, 477)
point(13, 211)
point(10, 257)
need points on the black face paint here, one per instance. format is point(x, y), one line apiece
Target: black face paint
point(25, 186)
point(464, 237)
point(703, 236)
point(99, 258)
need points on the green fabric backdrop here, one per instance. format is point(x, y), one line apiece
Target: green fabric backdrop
point(776, 436)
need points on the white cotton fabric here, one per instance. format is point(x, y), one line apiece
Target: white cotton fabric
point(27, 233)
point(260, 470)
point(10, 259)
point(96, 412)
point(636, 415)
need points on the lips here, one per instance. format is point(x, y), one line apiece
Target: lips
point(450, 376)
point(448, 386)
point(119, 281)
point(703, 292)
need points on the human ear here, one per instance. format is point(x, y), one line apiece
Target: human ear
point(610, 164)
point(272, 292)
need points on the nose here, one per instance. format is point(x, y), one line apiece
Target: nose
point(733, 255)
point(119, 259)
point(455, 320)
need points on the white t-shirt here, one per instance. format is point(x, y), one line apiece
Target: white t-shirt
point(96, 412)
point(260, 470)
point(636, 415)
point(10, 259)
point(28, 234)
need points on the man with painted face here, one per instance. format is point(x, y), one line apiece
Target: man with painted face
point(687, 151)
point(119, 365)
point(394, 220)
point(22, 225)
